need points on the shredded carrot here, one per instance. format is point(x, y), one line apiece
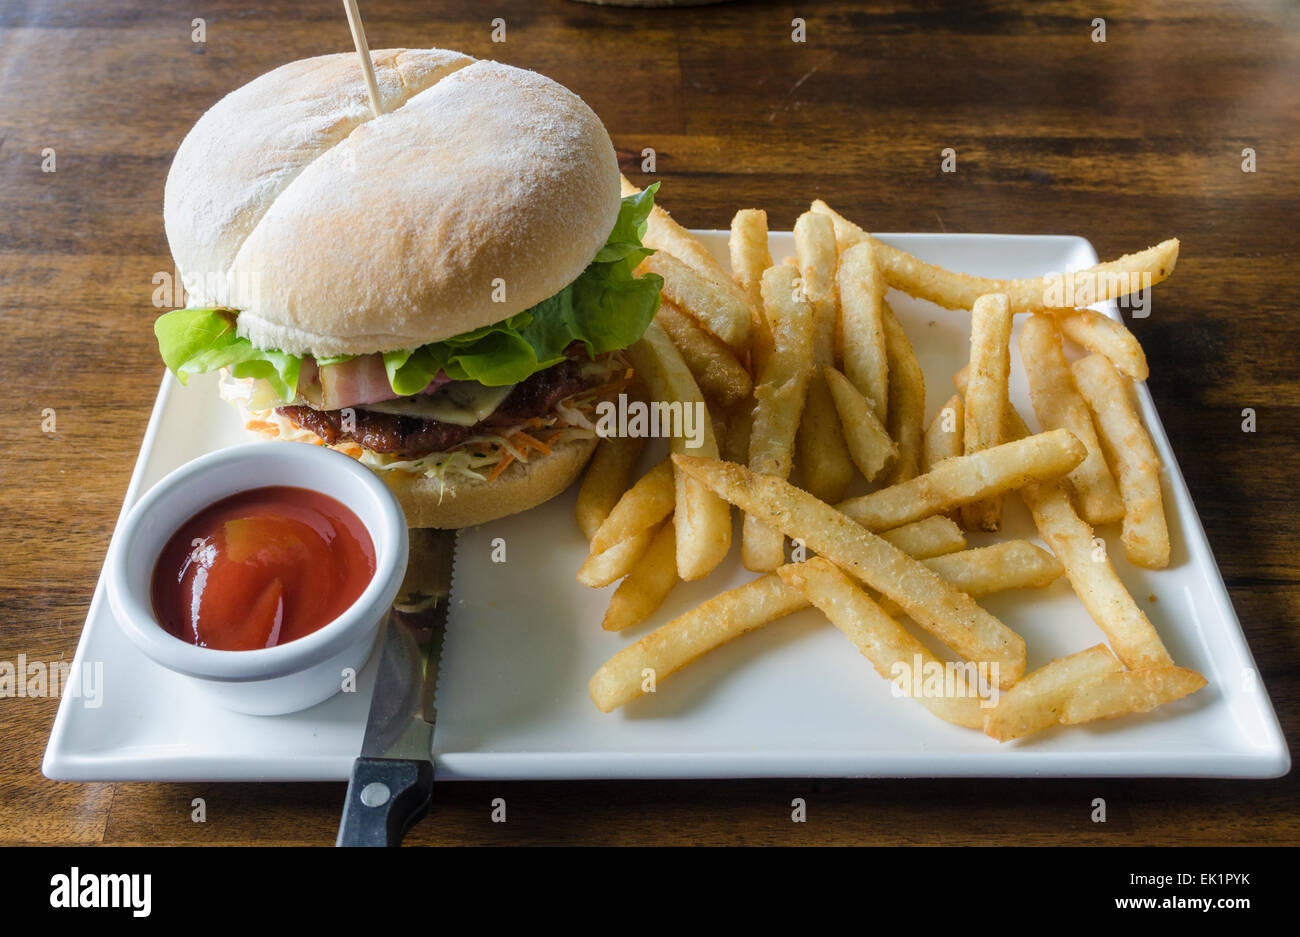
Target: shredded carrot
point(530, 441)
point(501, 466)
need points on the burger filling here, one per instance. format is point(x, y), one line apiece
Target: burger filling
point(470, 405)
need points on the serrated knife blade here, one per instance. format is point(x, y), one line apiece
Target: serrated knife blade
point(392, 781)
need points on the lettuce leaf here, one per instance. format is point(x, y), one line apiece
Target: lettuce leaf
point(606, 308)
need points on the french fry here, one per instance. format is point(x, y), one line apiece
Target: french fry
point(779, 401)
point(906, 401)
point(987, 394)
point(1145, 533)
point(608, 476)
point(951, 616)
point(647, 584)
point(702, 520)
point(735, 448)
point(1103, 335)
point(867, 439)
point(668, 649)
point(600, 569)
point(963, 479)
point(723, 313)
point(880, 639)
point(825, 465)
point(1104, 282)
point(862, 327)
point(1136, 691)
point(749, 258)
point(1011, 564)
point(1039, 700)
point(721, 377)
point(943, 438)
point(641, 507)
point(1059, 406)
point(934, 536)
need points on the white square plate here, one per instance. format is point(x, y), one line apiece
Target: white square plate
point(792, 699)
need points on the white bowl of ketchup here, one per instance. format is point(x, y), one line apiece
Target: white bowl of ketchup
point(262, 573)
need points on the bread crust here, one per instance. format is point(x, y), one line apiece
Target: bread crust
point(482, 191)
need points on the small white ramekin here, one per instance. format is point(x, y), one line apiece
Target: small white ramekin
point(290, 676)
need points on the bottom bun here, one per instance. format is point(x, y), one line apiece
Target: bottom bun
point(430, 502)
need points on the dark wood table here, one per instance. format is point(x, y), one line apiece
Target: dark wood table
point(1124, 142)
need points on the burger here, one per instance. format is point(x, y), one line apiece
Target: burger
point(443, 291)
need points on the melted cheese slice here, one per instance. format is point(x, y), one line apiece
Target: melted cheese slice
point(463, 403)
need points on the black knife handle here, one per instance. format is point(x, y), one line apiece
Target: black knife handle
point(386, 797)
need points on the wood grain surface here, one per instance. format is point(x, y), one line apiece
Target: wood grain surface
point(1123, 142)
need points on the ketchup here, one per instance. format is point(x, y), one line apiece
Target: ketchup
point(260, 568)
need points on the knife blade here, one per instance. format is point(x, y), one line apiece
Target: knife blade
point(392, 781)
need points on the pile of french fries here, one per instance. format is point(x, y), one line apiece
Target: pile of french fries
point(810, 382)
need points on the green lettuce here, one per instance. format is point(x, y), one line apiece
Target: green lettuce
point(606, 308)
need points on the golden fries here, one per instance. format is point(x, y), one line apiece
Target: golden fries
point(722, 313)
point(906, 417)
point(721, 377)
point(600, 569)
point(647, 584)
point(825, 465)
point(749, 258)
point(986, 395)
point(1103, 335)
point(881, 640)
point(703, 521)
point(1059, 406)
point(1118, 694)
point(1011, 564)
point(1145, 535)
point(862, 328)
point(964, 479)
point(608, 476)
point(943, 437)
point(1038, 701)
point(779, 402)
point(934, 536)
point(867, 439)
point(641, 507)
point(663, 652)
point(951, 616)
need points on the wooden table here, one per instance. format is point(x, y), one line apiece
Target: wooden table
point(1124, 142)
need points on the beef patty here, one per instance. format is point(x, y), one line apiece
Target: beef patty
point(537, 395)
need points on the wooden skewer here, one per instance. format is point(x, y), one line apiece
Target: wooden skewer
point(363, 50)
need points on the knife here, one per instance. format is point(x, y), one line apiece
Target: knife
point(391, 786)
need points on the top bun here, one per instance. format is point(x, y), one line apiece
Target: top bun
point(336, 232)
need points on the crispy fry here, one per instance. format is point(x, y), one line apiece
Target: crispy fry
point(867, 439)
point(943, 438)
point(825, 465)
point(702, 521)
point(641, 507)
point(1102, 283)
point(724, 314)
point(647, 584)
point(1059, 406)
point(721, 377)
point(668, 649)
point(891, 650)
point(1146, 535)
point(951, 616)
point(1011, 564)
point(1103, 335)
point(1137, 691)
point(608, 476)
point(862, 327)
point(600, 569)
point(749, 258)
point(934, 536)
point(779, 403)
point(968, 478)
point(1038, 701)
point(906, 401)
point(987, 394)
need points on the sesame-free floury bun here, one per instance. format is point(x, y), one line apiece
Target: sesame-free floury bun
point(443, 291)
